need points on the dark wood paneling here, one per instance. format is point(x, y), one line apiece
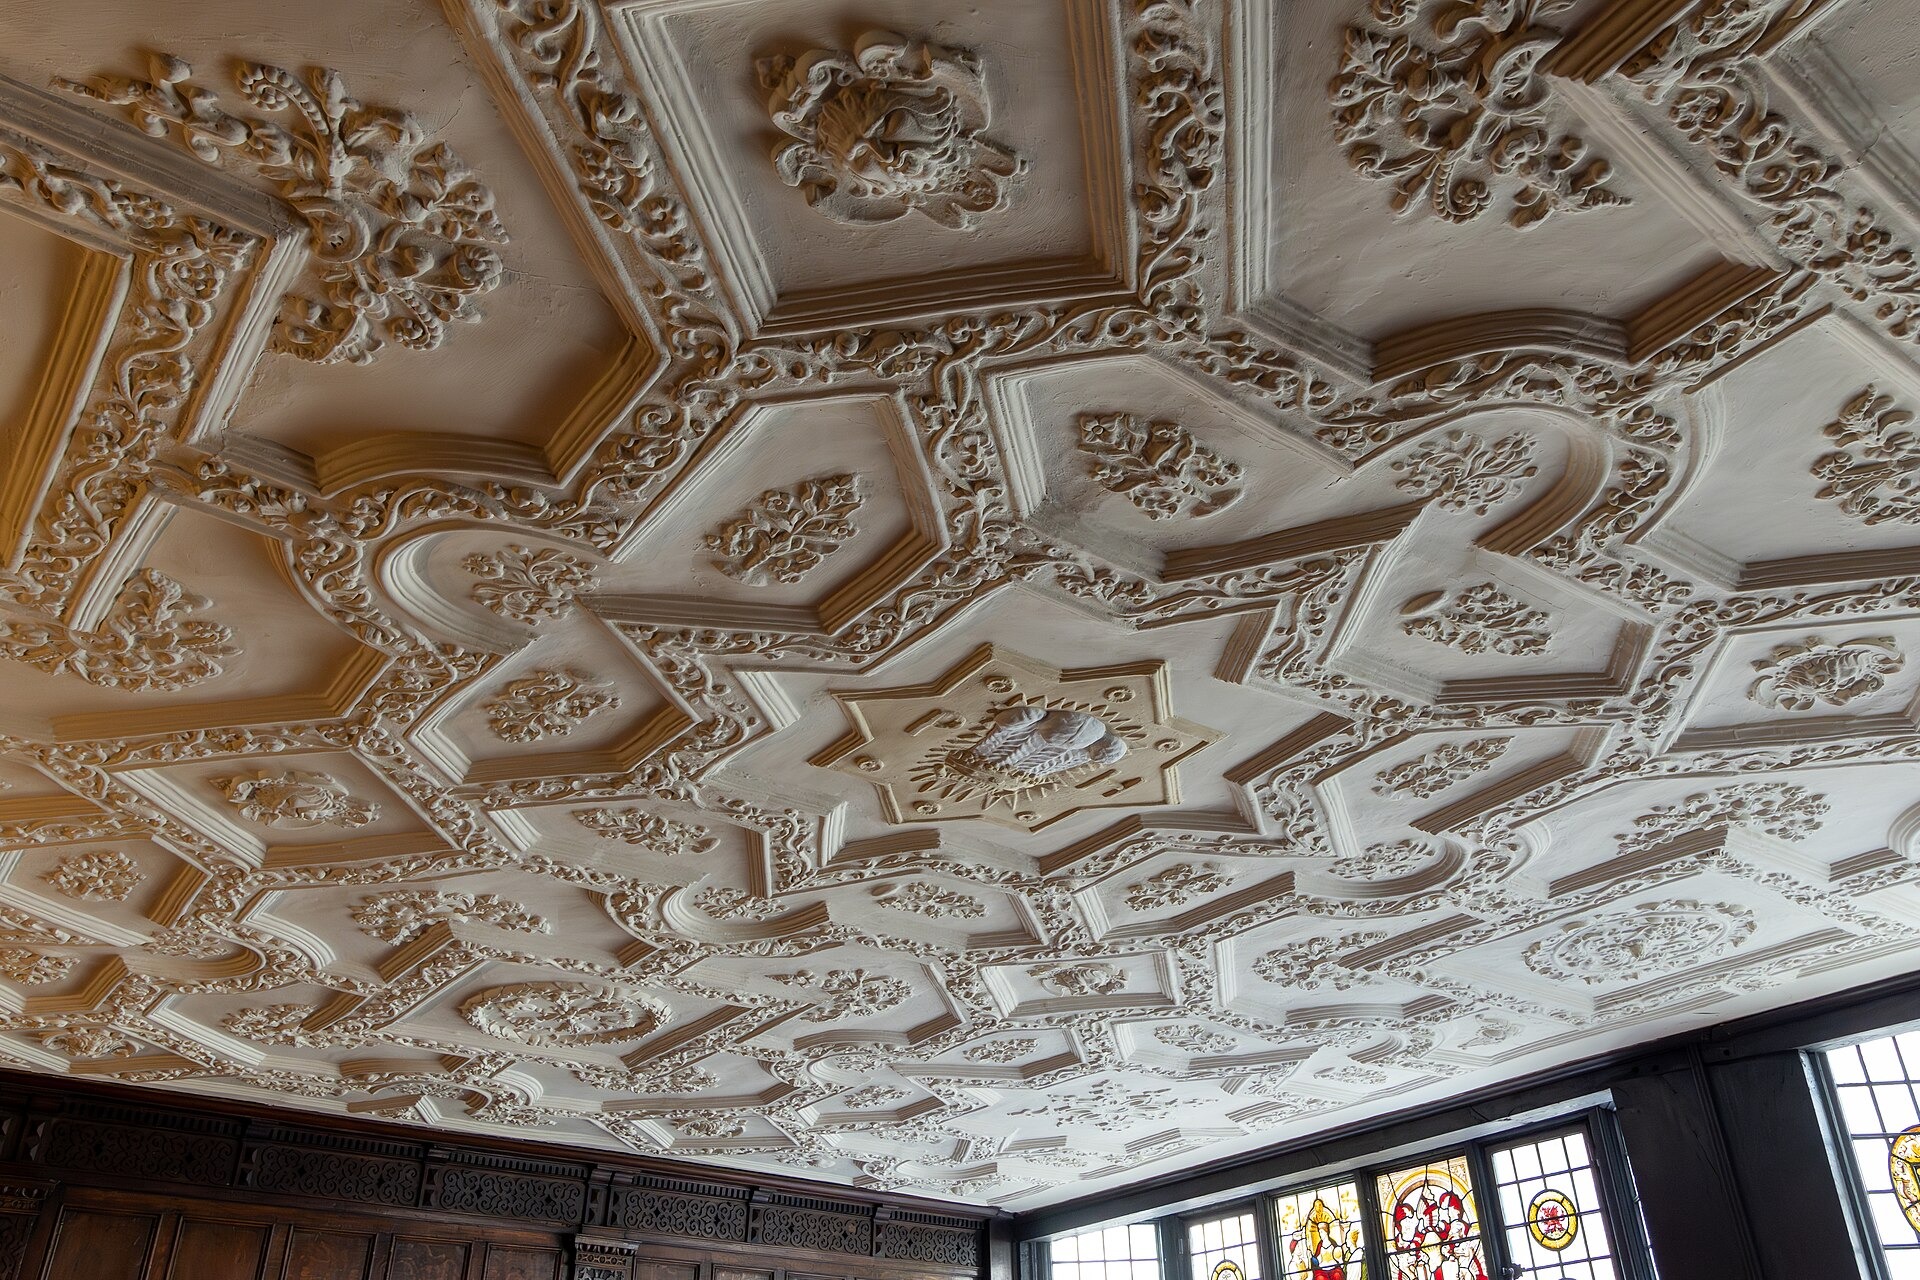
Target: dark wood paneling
point(101, 1246)
point(521, 1264)
point(205, 1250)
point(328, 1255)
point(427, 1260)
point(87, 1134)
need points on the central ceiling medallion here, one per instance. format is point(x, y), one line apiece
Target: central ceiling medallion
point(1012, 740)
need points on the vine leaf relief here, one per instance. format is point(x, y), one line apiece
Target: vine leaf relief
point(404, 237)
point(1462, 118)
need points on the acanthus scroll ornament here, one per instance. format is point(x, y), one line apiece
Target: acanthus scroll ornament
point(404, 237)
point(1874, 476)
point(892, 127)
point(561, 1014)
point(1814, 672)
point(148, 642)
point(296, 799)
point(106, 875)
point(1460, 121)
point(653, 832)
point(786, 533)
point(526, 585)
point(1478, 619)
point(1647, 941)
point(545, 704)
point(1450, 763)
point(1157, 466)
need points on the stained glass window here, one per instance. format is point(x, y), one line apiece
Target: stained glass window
point(1115, 1253)
point(1875, 1084)
point(1548, 1195)
point(1321, 1233)
point(1225, 1248)
point(1430, 1224)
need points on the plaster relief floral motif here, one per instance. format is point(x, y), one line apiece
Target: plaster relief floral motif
point(98, 876)
point(1010, 1050)
point(1647, 941)
point(1385, 859)
point(787, 533)
point(1192, 1039)
point(892, 127)
point(694, 1124)
point(1175, 886)
point(1459, 117)
point(1813, 672)
point(873, 1095)
point(1091, 979)
point(924, 898)
point(1451, 762)
point(724, 902)
point(1316, 962)
point(268, 1024)
point(89, 1044)
point(147, 642)
point(404, 914)
point(1478, 619)
point(529, 586)
point(559, 1014)
point(1874, 476)
point(667, 837)
point(1351, 1073)
point(1104, 1105)
point(1784, 810)
point(851, 993)
point(404, 238)
point(1157, 466)
point(1462, 472)
point(33, 968)
point(295, 799)
point(546, 704)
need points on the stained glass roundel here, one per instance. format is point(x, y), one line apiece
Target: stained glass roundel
point(1552, 1219)
point(1903, 1162)
point(1229, 1270)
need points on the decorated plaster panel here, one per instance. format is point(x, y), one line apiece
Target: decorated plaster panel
point(973, 603)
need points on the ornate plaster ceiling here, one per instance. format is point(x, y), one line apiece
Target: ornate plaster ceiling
point(974, 599)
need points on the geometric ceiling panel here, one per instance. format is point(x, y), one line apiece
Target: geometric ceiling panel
point(975, 603)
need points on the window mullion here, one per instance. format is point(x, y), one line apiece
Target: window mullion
point(1176, 1262)
point(1486, 1210)
point(1370, 1223)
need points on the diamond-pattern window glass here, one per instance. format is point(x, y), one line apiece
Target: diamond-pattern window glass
point(1547, 1190)
point(1320, 1233)
point(1877, 1085)
point(1430, 1223)
point(1225, 1248)
point(1114, 1253)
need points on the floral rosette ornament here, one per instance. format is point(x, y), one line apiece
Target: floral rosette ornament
point(893, 127)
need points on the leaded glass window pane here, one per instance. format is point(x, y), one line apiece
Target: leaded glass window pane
point(1430, 1224)
point(1225, 1248)
point(1320, 1233)
point(1875, 1086)
point(1113, 1253)
point(1548, 1194)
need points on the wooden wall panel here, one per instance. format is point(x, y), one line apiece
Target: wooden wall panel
point(204, 1250)
point(427, 1260)
point(101, 1246)
point(328, 1255)
point(521, 1264)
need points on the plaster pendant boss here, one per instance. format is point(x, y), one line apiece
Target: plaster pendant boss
point(893, 127)
point(1012, 740)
